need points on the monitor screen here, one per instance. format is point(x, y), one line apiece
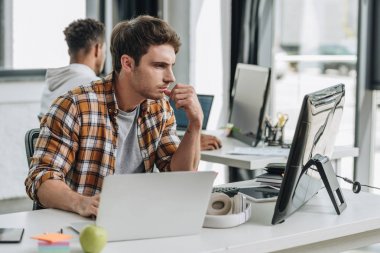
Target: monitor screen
point(317, 125)
point(180, 115)
point(250, 95)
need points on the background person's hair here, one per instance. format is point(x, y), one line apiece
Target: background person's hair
point(134, 37)
point(82, 34)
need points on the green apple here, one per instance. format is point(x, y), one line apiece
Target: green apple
point(93, 239)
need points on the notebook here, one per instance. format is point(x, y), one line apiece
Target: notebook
point(181, 119)
point(151, 205)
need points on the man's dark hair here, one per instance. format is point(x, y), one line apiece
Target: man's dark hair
point(134, 37)
point(82, 34)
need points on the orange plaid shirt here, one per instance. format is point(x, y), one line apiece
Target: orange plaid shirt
point(78, 138)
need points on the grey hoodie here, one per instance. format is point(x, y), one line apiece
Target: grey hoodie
point(61, 80)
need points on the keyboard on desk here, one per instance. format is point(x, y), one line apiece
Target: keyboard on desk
point(262, 193)
point(229, 191)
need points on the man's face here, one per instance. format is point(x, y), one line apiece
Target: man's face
point(154, 73)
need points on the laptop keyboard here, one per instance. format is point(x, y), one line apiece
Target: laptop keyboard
point(230, 191)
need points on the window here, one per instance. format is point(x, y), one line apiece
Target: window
point(316, 47)
point(32, 33)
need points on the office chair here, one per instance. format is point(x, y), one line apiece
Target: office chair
point(30, 142)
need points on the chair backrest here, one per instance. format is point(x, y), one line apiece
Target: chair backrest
point(30, 142)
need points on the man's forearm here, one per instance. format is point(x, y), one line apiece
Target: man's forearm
point(56, 194)
point(187, 155)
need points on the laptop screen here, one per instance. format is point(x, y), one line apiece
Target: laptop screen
point(180, 115)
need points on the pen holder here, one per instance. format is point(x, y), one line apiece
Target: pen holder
point(274, 136)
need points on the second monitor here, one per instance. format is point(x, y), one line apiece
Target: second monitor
point(250, 98)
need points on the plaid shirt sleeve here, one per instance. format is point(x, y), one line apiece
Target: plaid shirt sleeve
point(157, 134)
point(56, 146)
point(169, 141)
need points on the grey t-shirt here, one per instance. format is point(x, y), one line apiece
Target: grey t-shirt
point(128, 154)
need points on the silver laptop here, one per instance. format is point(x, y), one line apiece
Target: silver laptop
point(139, 206)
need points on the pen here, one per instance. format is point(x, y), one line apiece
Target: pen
point(282, 119)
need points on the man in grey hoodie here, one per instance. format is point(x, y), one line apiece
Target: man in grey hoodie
point(86, 42)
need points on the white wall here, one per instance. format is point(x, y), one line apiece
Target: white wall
point(204, 57)
point(19, 106)
point(210, 23)
point(176, 13)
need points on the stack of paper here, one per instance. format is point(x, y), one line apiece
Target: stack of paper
point(53, 242)
point(271, 179)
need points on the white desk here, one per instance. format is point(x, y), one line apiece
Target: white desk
point(258, 162)
point(314, 228)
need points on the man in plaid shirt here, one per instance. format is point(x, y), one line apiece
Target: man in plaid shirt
point(120, 124)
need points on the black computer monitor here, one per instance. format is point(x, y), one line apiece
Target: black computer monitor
point(180, 115)
point(308, 162)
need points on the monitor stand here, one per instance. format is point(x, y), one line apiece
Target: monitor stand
point(249, 139)
point(328, 176)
